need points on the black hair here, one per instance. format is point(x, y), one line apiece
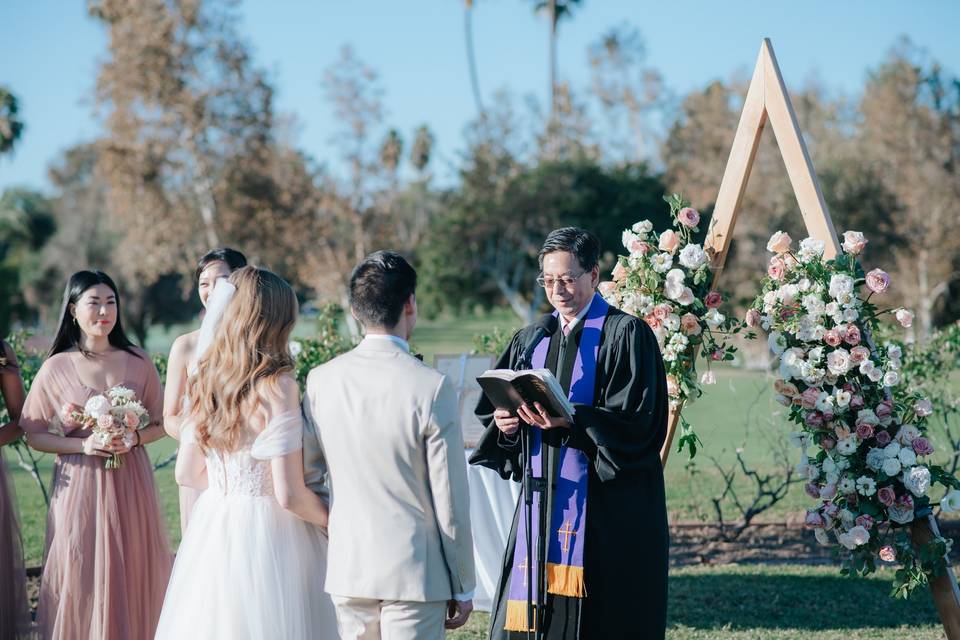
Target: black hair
point(68, 334)
point(233, 258)
point(580, 242)
point(379, 287)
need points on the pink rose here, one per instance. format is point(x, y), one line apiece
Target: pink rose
point(922, 446)
point(827, 443)
point(853, 242)
point(887, 553)
point(713, 300)
point(831, 510)
point(852, 335)
point(878, 281)
point(619, 272)
point(779, 242)
point(753, 318)
point(812, 490)
point(923, 407)
point(688, 217)
point(813, 419)
point(883, 438)
point(832, 337)
point(808, 399)
point(864, 521)
point(717, 355)
point(887, 496)
point(859, 354)
point(814, 520)
point(776, 268)
point(662, 310)
point(884, 409)
point(786, 388)
point(673, 389)
point(131, 420)
point(857, 402)
point(669, 241)
point(864, 431)
point(690, 325)
point(653, 321)
point(904, 317)
point(105, 421)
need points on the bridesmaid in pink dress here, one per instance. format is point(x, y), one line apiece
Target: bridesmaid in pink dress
point(214, 265)
point(14, 609)
point(107, 558)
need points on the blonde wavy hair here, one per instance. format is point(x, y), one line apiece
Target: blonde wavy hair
point(249, 354)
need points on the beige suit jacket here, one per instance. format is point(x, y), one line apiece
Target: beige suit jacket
point(383, 429)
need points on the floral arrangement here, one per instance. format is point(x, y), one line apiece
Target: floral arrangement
point(865, 455)
point(115, 414)
point(665, 279)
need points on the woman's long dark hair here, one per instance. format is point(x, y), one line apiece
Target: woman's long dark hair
point(68, 335)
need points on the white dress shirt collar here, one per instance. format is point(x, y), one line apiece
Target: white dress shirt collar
point(397, 340)
point(580, 316)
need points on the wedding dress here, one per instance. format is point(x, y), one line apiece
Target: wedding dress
point(247, 568)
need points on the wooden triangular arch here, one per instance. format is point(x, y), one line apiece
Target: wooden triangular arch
point(767, 99)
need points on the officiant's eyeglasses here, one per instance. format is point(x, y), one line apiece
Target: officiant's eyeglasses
point(548, 282)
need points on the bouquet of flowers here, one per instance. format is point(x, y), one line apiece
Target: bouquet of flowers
point(115, 414)
point(865, 455)
point(665, 279)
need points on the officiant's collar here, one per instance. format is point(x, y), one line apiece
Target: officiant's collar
point(397, 340)
point(580, 316)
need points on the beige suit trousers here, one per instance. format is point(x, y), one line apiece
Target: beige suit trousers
point(367, 619)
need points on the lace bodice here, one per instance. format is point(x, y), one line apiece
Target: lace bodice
point(247, 471)
point(239, 473)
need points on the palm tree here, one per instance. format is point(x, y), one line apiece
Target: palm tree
point(471, 54)
point(556, 10)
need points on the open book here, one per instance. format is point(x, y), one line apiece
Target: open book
point(508, 389)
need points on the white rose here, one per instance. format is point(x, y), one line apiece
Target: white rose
point(917, 480)
point(628, 238)
point(714, 318)
point(838, 361)
point(891, 378)
point(908, 458)
point(97, 406)
point(686, 297)
point(810, 248)
point(950, 503)
point(671, 322)
point(892, 450)
point(296, 348)
point(875, 459)
point(907, 434)
point(860, 535)
point(891, 466)
point(875, 375)
point(693, 256)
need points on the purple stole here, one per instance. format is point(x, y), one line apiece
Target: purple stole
point(568, 520)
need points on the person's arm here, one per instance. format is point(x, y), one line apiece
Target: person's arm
point(447, 470)
point(282, 444)
point(314, 462)
point(175, 387)
point(191, 469)
point(11, 386)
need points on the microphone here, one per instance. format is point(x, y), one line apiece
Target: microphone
point(546, 326)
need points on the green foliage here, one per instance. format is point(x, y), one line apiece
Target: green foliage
point(329, 342)
point(493, 343)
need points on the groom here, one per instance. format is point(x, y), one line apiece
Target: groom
point(400, 559)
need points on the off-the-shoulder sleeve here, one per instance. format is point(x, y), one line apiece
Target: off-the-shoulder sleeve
point(283, 435)
point(43, 403)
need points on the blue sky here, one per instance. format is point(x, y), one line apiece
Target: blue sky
point(50, 49)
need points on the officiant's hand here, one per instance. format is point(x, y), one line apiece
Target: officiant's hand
point(506, 422)
point(457, 613)
point(538, 417)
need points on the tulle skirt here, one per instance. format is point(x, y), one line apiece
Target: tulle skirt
point(247, 568)
point(107, 559)
point(14, 609)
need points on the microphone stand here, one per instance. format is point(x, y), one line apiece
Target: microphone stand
point(531, 485)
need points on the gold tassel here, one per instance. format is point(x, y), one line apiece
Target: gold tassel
point(565, 580)
point(517, 616)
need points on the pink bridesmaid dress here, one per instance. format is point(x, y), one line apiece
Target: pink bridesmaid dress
point(14, 609)
point(107, 559)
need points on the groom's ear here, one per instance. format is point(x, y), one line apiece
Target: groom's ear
point(410, 306)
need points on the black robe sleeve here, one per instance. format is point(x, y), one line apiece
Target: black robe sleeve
point(624, 429)
point(495, 450)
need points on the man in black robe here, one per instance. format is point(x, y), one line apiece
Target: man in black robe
point(626, 546)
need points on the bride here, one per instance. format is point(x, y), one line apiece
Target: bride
point(252, 562)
